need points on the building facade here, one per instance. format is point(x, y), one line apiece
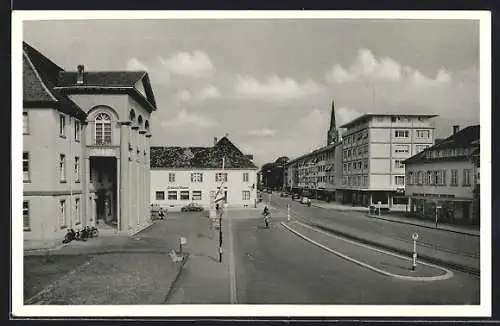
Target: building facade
point(183, 175)
point(86, 159)
point(443, 180)
point(374, 147)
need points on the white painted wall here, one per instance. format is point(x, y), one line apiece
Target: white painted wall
point(235, 186)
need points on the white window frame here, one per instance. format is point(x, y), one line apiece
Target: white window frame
point(104, 120)
point(62, 167)
point(170, 194)
point(245, 176)
point(159, 192)
point(197, 177)
point(77, 210)
point(62, 213)
point(467, 177)
point(171, 177)
point(401, 133)
point(27, 173)
point(454, 178)
point(77, 130)
point(77, 169)
point(184, 192)
point(245, 195)
point(62, 125)
point(26, 123)
point(423, 133)
point(221, 177)
point(398, 164)
point(26, 216)
point(401, 178)
point(196, 195)
point(399, 149)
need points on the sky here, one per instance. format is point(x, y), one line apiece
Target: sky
point(269, 83)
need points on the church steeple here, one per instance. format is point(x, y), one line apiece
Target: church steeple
point(333, 134)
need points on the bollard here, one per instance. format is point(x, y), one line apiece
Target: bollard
point(414, 236)
point(182, 241)
point(288, 212)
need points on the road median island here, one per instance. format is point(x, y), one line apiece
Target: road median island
point(431, 255)
point(380, 261)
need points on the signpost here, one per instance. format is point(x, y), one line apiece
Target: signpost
point(379, 204)
point(437, 213)
point(220, 217)
point(414, 236)
point(182, 241)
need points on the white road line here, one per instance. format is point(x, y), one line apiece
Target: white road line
point(232, 274)
point(448, 274)
point(366, 246)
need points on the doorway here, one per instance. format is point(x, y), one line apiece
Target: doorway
point(104, 181)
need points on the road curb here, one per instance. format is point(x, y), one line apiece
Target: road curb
point(340, 209)
point(448, 274)
point(171, 288)
point(424, 226)
point(424, 257)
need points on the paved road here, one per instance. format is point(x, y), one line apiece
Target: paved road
point(464, 246)
point(276, 266)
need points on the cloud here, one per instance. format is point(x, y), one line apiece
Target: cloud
point(344, 115)
point(184, 95)
point(367, 68)
point(264, 132)
point(209, 92)
point(135, 64)
point(195, 64)
point(189, 120)
point(275, 88)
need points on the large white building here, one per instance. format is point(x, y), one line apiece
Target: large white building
point(374, 147)
point(182, 175)
point(446, 175)
point(85, 149)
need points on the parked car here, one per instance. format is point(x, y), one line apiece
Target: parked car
point(295, 196)
point(192, 207)
point(305, 200)
point(269, 191)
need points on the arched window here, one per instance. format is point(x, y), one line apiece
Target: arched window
point(139, 120)
point(146, 125)
point(103, 129)
point(132, 115)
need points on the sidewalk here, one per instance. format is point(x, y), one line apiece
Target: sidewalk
point(397, 218)
point(427, 224)
point(204, 280)
point(112, 269)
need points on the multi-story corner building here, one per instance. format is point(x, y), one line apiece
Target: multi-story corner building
point(374, 147)
point(85, 149)
point(182, 175)
point(443, 180)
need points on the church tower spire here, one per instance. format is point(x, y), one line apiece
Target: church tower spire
point(333, 134)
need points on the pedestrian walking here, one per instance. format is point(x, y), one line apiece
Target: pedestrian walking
point(161, 214)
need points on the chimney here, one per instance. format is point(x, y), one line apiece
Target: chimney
point(455, 129)
point(79, 74)
point(226, 135)
point(215, 140)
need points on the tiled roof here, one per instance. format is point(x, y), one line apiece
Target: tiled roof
point(200, 157)
point(34, 88)
point(465, 138)
point(39, 78)
point(101, 78)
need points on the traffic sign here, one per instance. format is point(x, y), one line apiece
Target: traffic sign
point(414, 236)
point(182, 240)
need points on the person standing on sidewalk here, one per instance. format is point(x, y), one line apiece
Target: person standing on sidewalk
point(161, 214)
